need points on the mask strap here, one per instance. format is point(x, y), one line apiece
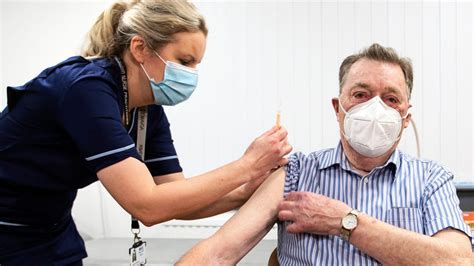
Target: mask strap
point(403, 117)
point(342, 108)
point(340, 105)
point(145, 72)
point(159, 57)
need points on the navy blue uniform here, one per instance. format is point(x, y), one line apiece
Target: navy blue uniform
point(57, 131)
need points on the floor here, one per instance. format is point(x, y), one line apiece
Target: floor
point(114, 251)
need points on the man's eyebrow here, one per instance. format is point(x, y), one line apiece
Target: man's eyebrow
point(393, 90)
point(361, 85)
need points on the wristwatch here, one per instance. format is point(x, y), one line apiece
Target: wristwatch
point(348, 224)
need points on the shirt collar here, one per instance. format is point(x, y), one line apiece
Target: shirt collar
point(337, 156)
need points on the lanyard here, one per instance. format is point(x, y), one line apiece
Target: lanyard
point(141, 132)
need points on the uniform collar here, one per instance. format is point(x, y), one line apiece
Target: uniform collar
point(337, 156)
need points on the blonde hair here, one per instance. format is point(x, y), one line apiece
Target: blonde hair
point(154, 20)
point(382, 54)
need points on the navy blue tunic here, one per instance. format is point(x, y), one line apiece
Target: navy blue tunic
point(57, 131)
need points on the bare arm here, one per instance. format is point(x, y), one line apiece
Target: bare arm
point(244, 230)
point(133, 187)
point(395, 246)
point(317, 214)
point(230, 201)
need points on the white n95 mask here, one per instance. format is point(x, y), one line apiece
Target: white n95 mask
point(372, 127)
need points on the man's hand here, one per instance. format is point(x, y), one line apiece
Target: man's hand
point(312, 213)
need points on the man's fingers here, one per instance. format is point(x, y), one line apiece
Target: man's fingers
point(285, 205)
point(285, 215)
point(293, 196)
point(294, 228)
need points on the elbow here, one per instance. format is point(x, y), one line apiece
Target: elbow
point(151, 216)
point(206, 252)
point(147, 222)
point(466, 259)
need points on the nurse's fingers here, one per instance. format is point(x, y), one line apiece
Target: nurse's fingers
point(270, 131)
point(287, 148)
point(282, 162)
point(281, 134)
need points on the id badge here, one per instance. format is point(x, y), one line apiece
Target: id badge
point(137, 253)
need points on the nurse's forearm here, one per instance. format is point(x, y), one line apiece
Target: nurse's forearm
point(231, 201)
point(205, 195)
point(130, 183)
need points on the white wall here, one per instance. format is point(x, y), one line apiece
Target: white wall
point(261, 52)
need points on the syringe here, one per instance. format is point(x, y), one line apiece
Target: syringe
point(278, 115)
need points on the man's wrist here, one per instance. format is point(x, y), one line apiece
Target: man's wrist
point(349, 223)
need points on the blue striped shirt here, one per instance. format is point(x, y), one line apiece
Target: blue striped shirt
point(417, 195)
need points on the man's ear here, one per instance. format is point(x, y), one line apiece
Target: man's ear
point(407, 120)
point(138, 48)
point(335, 106)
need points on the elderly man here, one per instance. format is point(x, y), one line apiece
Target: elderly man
point(362, 203)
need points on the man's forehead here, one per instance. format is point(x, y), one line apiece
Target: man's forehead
point(373, 67)
point(372, 74)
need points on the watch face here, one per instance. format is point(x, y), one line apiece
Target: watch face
point(349, 222)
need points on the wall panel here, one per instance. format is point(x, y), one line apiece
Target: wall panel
point(261, 53)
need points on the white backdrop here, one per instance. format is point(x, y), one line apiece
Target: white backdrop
point(260, 53)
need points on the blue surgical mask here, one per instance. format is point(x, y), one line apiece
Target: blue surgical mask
point(178, 83)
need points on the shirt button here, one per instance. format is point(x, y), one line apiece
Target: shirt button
point(366, 180)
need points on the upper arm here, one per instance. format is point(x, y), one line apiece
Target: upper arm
point(161, 179)
point(90, 116)
point(245, 229)
point(160, 154)
point(441, 209)
point(130, 184)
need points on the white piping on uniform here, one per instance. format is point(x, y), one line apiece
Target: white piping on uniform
point(161, 159)
point(12, 224)
point(109, 152)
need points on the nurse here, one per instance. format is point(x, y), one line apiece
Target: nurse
point(78, 121)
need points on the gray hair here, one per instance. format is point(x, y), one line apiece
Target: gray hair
point(378, 53)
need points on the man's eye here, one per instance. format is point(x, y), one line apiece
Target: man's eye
point(359, 95)
point(393, 100)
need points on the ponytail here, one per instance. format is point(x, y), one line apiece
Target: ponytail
point(154, 20)
point(102, 41)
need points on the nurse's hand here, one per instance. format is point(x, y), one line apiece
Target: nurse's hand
point(266, 152)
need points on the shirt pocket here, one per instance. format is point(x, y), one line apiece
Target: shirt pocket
point(406, 218)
